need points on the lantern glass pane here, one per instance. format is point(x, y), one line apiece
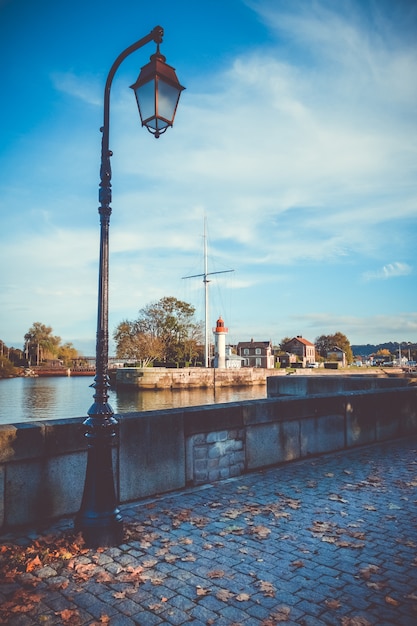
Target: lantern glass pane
point(145, 95)
point(167, 100)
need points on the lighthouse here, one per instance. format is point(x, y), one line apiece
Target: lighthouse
point(220, 333)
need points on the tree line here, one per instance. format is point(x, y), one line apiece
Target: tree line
point(40, 345)
point(165, 332)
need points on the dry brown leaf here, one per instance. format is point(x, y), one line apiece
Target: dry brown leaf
point(103, 577)
point(267, 588)
point(33, 563)
point(297, 563)
point(202, 591)
point(216, 573)
point(338, 498)
point(332, 604)
point(411, 596)
point(186, 541)
point(262, 532)
point(67, 615)
point(355, 621)
point(171, 558)
point(391, 601)
point(367, 572)
point(189, 557)
point(281, 614)
point(224, 595)
point(243, 597)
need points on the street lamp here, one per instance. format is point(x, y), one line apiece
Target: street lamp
point(157, 93)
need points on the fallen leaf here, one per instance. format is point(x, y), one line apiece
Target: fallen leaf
point(267, 588)
point(33, 563)
point(103, 577)
point(224, 595)
point(281, 614)
point(216, 573)
point(262, 532)
point(243, 597)
point(366, 572)
point(202, 591)
point(391, 601)
point(332, 604)
point(186, 540)
point(338, 498)
point(67, 614)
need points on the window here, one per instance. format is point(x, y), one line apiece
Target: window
point(257, 351)
point(246, 351)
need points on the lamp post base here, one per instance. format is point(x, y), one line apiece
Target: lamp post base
point(99, 519)
point(101, 532)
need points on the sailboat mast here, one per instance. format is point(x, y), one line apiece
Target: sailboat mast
point(206, 300)
point(206, 304)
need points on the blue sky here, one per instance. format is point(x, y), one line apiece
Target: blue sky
point(296, 138)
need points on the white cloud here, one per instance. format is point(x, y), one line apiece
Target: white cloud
point(359, 328)
point(85, 88)
point(391, 270)
point(302, 154)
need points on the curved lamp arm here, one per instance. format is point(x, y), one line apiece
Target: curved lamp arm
point(155, 35)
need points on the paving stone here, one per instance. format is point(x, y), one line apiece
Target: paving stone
point(195, 533)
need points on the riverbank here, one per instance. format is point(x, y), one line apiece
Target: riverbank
point(209, 378)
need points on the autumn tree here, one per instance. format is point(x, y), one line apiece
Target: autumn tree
point(136, 345)
point(325, 343)
point(164, 330)
point(7, 369)
point(40, 343)
point(67, 354)
point(283, 343)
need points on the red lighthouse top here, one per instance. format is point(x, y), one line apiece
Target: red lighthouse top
point(220, 327)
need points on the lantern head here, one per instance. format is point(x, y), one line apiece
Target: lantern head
point(157, 92)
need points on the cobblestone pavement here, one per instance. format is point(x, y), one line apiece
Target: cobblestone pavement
point(330, 540)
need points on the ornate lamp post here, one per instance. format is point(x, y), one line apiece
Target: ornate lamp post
point(157, 93)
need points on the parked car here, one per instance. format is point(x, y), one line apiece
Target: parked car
point(311, 365)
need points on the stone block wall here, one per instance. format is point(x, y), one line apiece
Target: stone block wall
point(215, 456)
point(42, 465)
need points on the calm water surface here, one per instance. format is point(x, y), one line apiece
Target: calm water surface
point(28, 399)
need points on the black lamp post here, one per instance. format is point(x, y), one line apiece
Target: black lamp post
point(157, 93)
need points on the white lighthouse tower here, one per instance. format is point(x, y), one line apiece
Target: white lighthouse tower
point(220, 333)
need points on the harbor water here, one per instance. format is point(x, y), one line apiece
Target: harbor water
point(45, 398)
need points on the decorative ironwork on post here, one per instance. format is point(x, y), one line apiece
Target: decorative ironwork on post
point(99, 519)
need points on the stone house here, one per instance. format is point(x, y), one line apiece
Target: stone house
point(337, 354)
point(256, 353)
point(303, 349)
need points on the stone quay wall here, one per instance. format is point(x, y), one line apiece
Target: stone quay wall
point(42, 464)
point(192, 377)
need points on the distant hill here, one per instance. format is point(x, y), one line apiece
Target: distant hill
point(392, 346)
